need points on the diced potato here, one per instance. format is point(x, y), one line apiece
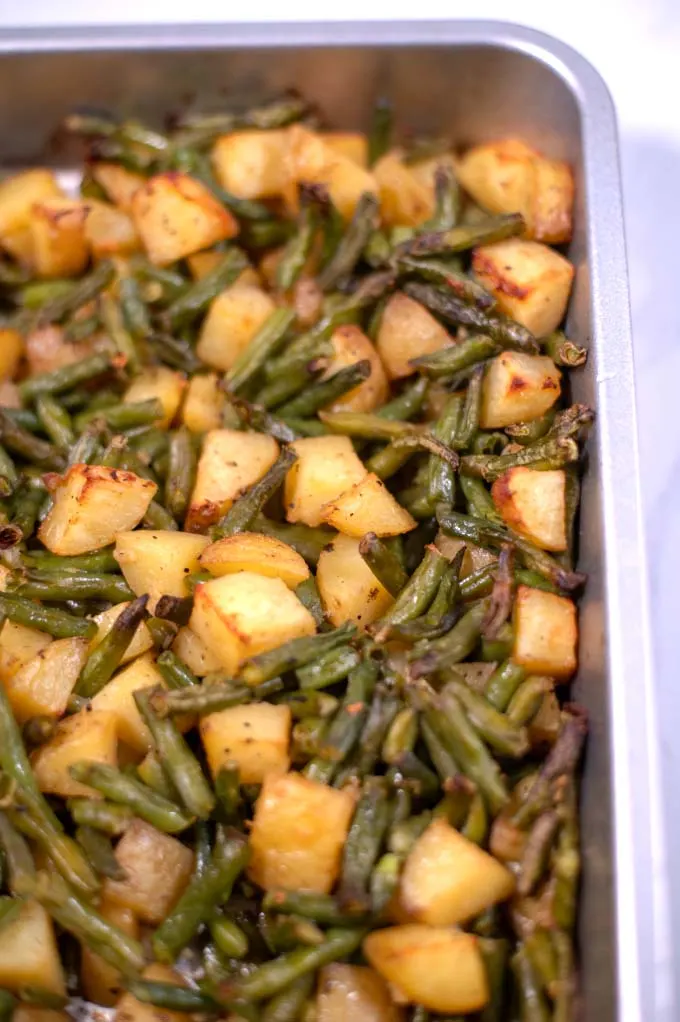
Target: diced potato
point(298, 833)
point(18, 195)
point(59, 242)
point(92, 503)
point(11, 350)
point(202, 263)
point(546, 725)
point(368, 507)
point(238, 616)
point(102, 983)
point(518, 388)
point(251, 551)
point(129, 1009)
point(195, 654)
point(404, 198)
point(349, 589)
point(546, 633)
point(447, 879)
point(347, 991)
point(87, 735)
point(440, 968)
point(351, 345)
point(530, 281)
point(116, 699)
point(158, 562)
point(233, 319)
point(44, 684)
point(47, 348)
point(34, 1013)
point(203, 403)
point(119, 183)
point(176, 215)
point(326, 467)
point(29, 955)
point(141, 640)
point(407, 330)
point(307, 300)
point(533, 503)
point(256, 736)
point(313, 161)
point(351, 144)
point(230, 463)
point(19, 244)
point(509, 176)
point(109, 231)
point(158, 868)
point(18, 646)
point(475, 557)
point(252, 164)
point(161, 383)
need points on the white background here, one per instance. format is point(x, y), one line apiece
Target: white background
point(635, 44)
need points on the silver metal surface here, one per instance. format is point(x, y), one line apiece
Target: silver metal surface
point(472, 81)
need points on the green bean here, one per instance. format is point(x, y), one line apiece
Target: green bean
point(298, 248)
point(39, 729)
point(174, 352)
point(362, 847)
point(10, 907)
point(308, 594)
point(457, 311)
point(404, 835)
point(344, 259)
point(171, 997)
point(17, 856)
point(79, 294)
point(367, 426)
point(381, 130)
point(125, 415)
point(407, 404)
point(107, 656)
point(468, 423)
point(293, 654)
point(506, 738)
point(28, 446)
point(532, 1003)
point(175, 672)
point(263, 345)
point(323, 392)
point(441, 484)
point(159, 518)
point(442, 760)
point(196, 298)
point(118, 787)
point(453, 647)
point(451, 360)
point(401, 735)
point(438, 272)
point(547, 454)
point(229, 937)
point(107, 817)
point(171, 283)
point(495, 956)
point(8, 472)
point(46, 585)
point(344, 729)
point(175, 608)
point(321, 908)
point(503, 683)
point(209, 697)
point(564, 352)
point(8, 1003)
point(179, 763)
point(55, 420)
point(56, 623)
point(329, 667)
point(120, 337)
point(100, 854)
point(465, 236)
point(308, 704)
point(243, 512)
point(561, 761)
point(383, 563)
point(227, 789)
point(527, 700)
point(528, 432)
point(536, 851)
point(287, 1005)
point(417, 595)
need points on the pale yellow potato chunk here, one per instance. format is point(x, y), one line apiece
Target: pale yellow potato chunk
point(159, 382)
point(518, 388)
point(407, 330)
point(92, 504)
point(368, 507)
point(298, 833)
point(354, 990)
point(252, 164)
point(29, 955)
point(44, 684)
point(11, 350)
point(18, 646)
point(103, 983)
point(58, 237)
point(18, 195)
point(157, 562)
point(546, 633)
point(313, 161)
point(194, 652)
point(251, 551)
point(351, 144)
point(109, 231)
point(158, 868)
point(233, 319)
point(239, 616)
point(351, 345)
point(405, 199)
point(119, 183)
point(204, 403)
point(348, 588)
point(230, 463)
point(116, 699)
point(141, 640)
point(326, 467)
point(87, 735)
point(533, 503)
point(256, 736)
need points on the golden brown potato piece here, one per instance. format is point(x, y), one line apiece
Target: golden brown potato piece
point(85, 735)
point(351, 345)
point(58, 237)
point(18, 195)
point(546, 633)
point(407, 330)
point(518, 388)
point(530, 281)
point(44, 684)
point(109, 231)
point(326, 467)
point(119, 184)
point(405, 199)
point(29, 955)
point(203, 404)
point(195, 654)
point(253, 164)
point(230, 463)
point(157, 562)
point(18, 646)
point(11, 350)
point(533, 503)
point(256, 736)
point(141, 640)
point(298, 833)
point(102, 983)
point(351, 144)
point(233, 319)
point(251, 551)
point(158, 868)
point(353, 990)
point(91, 504)
point(159, 382)
point(117, 700)
point(349, 589)
point(368, 507)
point(176, 215)
point(313, 161)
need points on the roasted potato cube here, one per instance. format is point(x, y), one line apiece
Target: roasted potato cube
point(29, 955)
point(141, 640)
point(351, 144)
point(92, 504)
point(116, 699)
point(109, 231)
point(47, 348)
point(176, 215)
point(58, 237)
point(255, 736)
point(252, 164)
point(230, 463)
point(518, 388)
point(86, 735)
point(44, 684)
point(353, 990)
point(546, 633)
point(553, 202)
point(158, 868)
point(533, 503)
point(438, 967)
point(313, 161)
point(407, 330)
point(351, 345)
point(129, 1009)
point(326, 467)
point(238, 616)
point(298, 833)
point(233, 319)
point(161, 383)
point(195, 654)
point(11, 350)
point(530, 281)
point(102, 983)
point(251, 551)
point(368, 507)
point(405, 199)
point(18, 195)
point(158, 562)
point(349, 589)
point(119, 183)
point(18, 646)
point(475, 557)
point(203, 404)
point(447, 879)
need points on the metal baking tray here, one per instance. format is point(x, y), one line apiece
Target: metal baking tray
point(473, 81)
